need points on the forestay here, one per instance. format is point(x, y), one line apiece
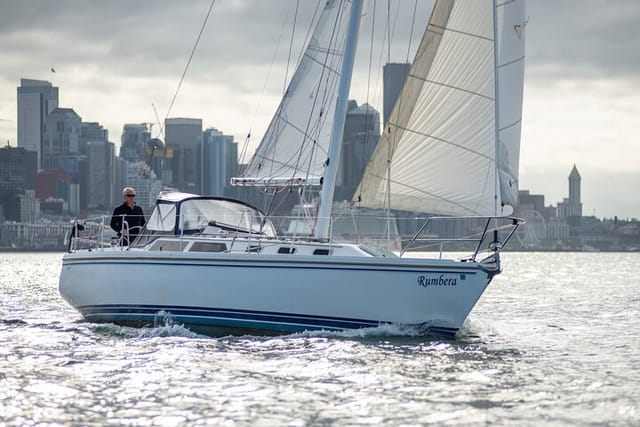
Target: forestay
point(440, 142)
point(294, 148)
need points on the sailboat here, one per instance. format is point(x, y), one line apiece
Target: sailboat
point(450, 149)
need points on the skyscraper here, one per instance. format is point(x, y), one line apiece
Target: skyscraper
point(100, 174)
point(361, 134)
point(134, 138)
point(36, 100)
point(61, 138)
point(394, 75)
point(91, 132)
point(183, 136)
point(219, 157)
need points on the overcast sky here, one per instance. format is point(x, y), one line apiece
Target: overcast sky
point(114, 59)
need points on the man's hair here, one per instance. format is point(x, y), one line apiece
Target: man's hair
point(125, 190)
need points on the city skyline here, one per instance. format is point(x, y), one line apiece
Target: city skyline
point(582, 93)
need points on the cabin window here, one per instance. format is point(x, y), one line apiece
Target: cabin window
point(321, 252)
point(253, 248)
point(208, 247)
point(286, 250)
point(168, 245)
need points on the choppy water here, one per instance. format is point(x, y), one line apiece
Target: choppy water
point(554, 341)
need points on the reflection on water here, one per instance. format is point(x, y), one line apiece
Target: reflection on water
point(554, 340)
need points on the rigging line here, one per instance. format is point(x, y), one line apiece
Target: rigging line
point(510, 125)
point(366, 117)
point(389, 32)
point(387, 35)
point(184, 73)
point(413, 22)
point(323, 101)
point(293, 32)
point(506, 64)
point(303, 54)
point(505, 3)
point(245, 145)
point(315, 100)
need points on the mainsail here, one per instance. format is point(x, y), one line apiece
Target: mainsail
point(294, 148)
point(438, 153)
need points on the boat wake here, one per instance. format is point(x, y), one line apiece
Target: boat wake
point(159, 331)
point(385, 330)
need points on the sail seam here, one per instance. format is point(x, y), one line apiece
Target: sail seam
point(511, 62)
point(464, 33)
point(451, 87)
point(292, 126)
point(441, 140)
point(428, 193)
point(322, 64)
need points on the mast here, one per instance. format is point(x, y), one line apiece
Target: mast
point(333, 159)
point(496, 109)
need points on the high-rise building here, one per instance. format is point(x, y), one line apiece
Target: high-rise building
point(100, 174)
point(36, 100)
point(219, 161)
point(91, 132)
point(394, 75)
point(361, 134)
point(18, 168)
point(133, 140)
point(61, 137)
point(141, 177)
point(183, 136)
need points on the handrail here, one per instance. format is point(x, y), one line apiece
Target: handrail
point(470, 237)
point(495, 246)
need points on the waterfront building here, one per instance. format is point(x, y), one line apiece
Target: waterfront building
point(534, 200)
point(29, 207)
point(36, 100)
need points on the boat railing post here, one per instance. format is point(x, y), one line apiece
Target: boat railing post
point(100, 233)
point(181, 222)
point(441, 249)
point(125, 227)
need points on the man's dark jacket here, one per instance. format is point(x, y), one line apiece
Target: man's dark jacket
point(134, 217)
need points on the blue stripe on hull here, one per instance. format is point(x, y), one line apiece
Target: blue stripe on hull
point(220, 317)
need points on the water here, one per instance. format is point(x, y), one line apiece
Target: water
point(554, 341)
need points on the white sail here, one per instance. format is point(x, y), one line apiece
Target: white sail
point(440, 142)
point(295, 145)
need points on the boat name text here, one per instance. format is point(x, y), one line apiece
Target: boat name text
point(425, 281)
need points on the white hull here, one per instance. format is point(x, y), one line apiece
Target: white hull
point(277, 292)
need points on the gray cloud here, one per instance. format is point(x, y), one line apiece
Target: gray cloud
point(583, 39)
